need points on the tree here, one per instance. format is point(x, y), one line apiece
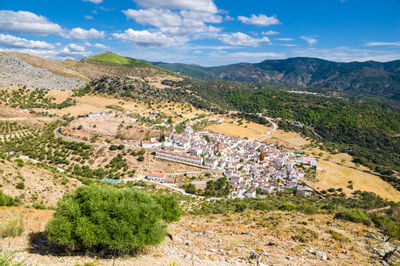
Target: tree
point(107, 219)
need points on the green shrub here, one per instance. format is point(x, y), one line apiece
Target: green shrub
point(12, 228)
point(6, 200)
point(300, 238)
point(264, 206)
point(39, 206)
point(106, 219)
point(353, 215)
point(337, 236)
point(308, 208)
point(171, 210)
point(287, 207)
point(20, 185)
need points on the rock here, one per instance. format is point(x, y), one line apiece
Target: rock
point(15, 71)
point(212, 250)
point(248, 233)
point(188, 243)
point(320, 254)
point(288, 258)
point(264, 253)
point(255, 256)
point(272, 243)
point(373, 236)
point(208, 232)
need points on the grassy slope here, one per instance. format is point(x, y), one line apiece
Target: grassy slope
point(112, 58)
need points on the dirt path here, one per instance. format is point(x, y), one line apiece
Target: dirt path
point(270, 132)
point(57, 133)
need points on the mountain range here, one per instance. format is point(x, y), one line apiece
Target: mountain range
point(371, 78)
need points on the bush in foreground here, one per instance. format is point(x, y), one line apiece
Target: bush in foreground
point(108, 220)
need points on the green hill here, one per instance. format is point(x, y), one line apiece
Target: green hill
point(116, 59)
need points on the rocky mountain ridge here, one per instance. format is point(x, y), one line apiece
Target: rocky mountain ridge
point(16, 72)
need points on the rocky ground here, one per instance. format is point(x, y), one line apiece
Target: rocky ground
point(16, 72)
point(266, 238)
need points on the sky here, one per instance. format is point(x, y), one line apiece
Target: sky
point(203, 32)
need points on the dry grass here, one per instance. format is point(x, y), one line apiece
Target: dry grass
point(289, 139)
point(41, 186)
point(231, 127)
point(211, 240)
point(336, 176)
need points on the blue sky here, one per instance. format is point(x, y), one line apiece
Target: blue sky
point(205, 32)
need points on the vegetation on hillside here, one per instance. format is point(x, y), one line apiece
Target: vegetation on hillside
point(112, 58)
point(369, 132)
point(368, 78)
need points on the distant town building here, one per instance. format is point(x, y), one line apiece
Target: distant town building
point(157, 177)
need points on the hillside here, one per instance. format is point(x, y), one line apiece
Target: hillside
point(373, 78)
point(40, 72)
point(16, 72)
point(116, 59)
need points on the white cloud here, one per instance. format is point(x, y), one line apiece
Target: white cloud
point(270, 32)
point(41, 48)
point(260, 20)
point(184, 22)
point(101, 46)
point(72, 50)
point(284, 39)
point(73, 47)
point(24, 22)
point(9, 41)
point(382, 44)
point(309, 40)
point(94, 1)
point(154, 17)
point(81, 34)
point(346, 54)
point(242, 39)
point(198, 5)
point(257, 55)
point(88, 17)
point(146, 38)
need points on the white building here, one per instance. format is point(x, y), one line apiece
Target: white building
point(158, 177)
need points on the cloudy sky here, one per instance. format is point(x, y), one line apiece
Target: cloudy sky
point(205, 32)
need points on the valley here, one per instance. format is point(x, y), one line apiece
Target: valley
point(252, 188)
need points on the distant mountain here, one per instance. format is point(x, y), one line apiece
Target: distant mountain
point(374, 78)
